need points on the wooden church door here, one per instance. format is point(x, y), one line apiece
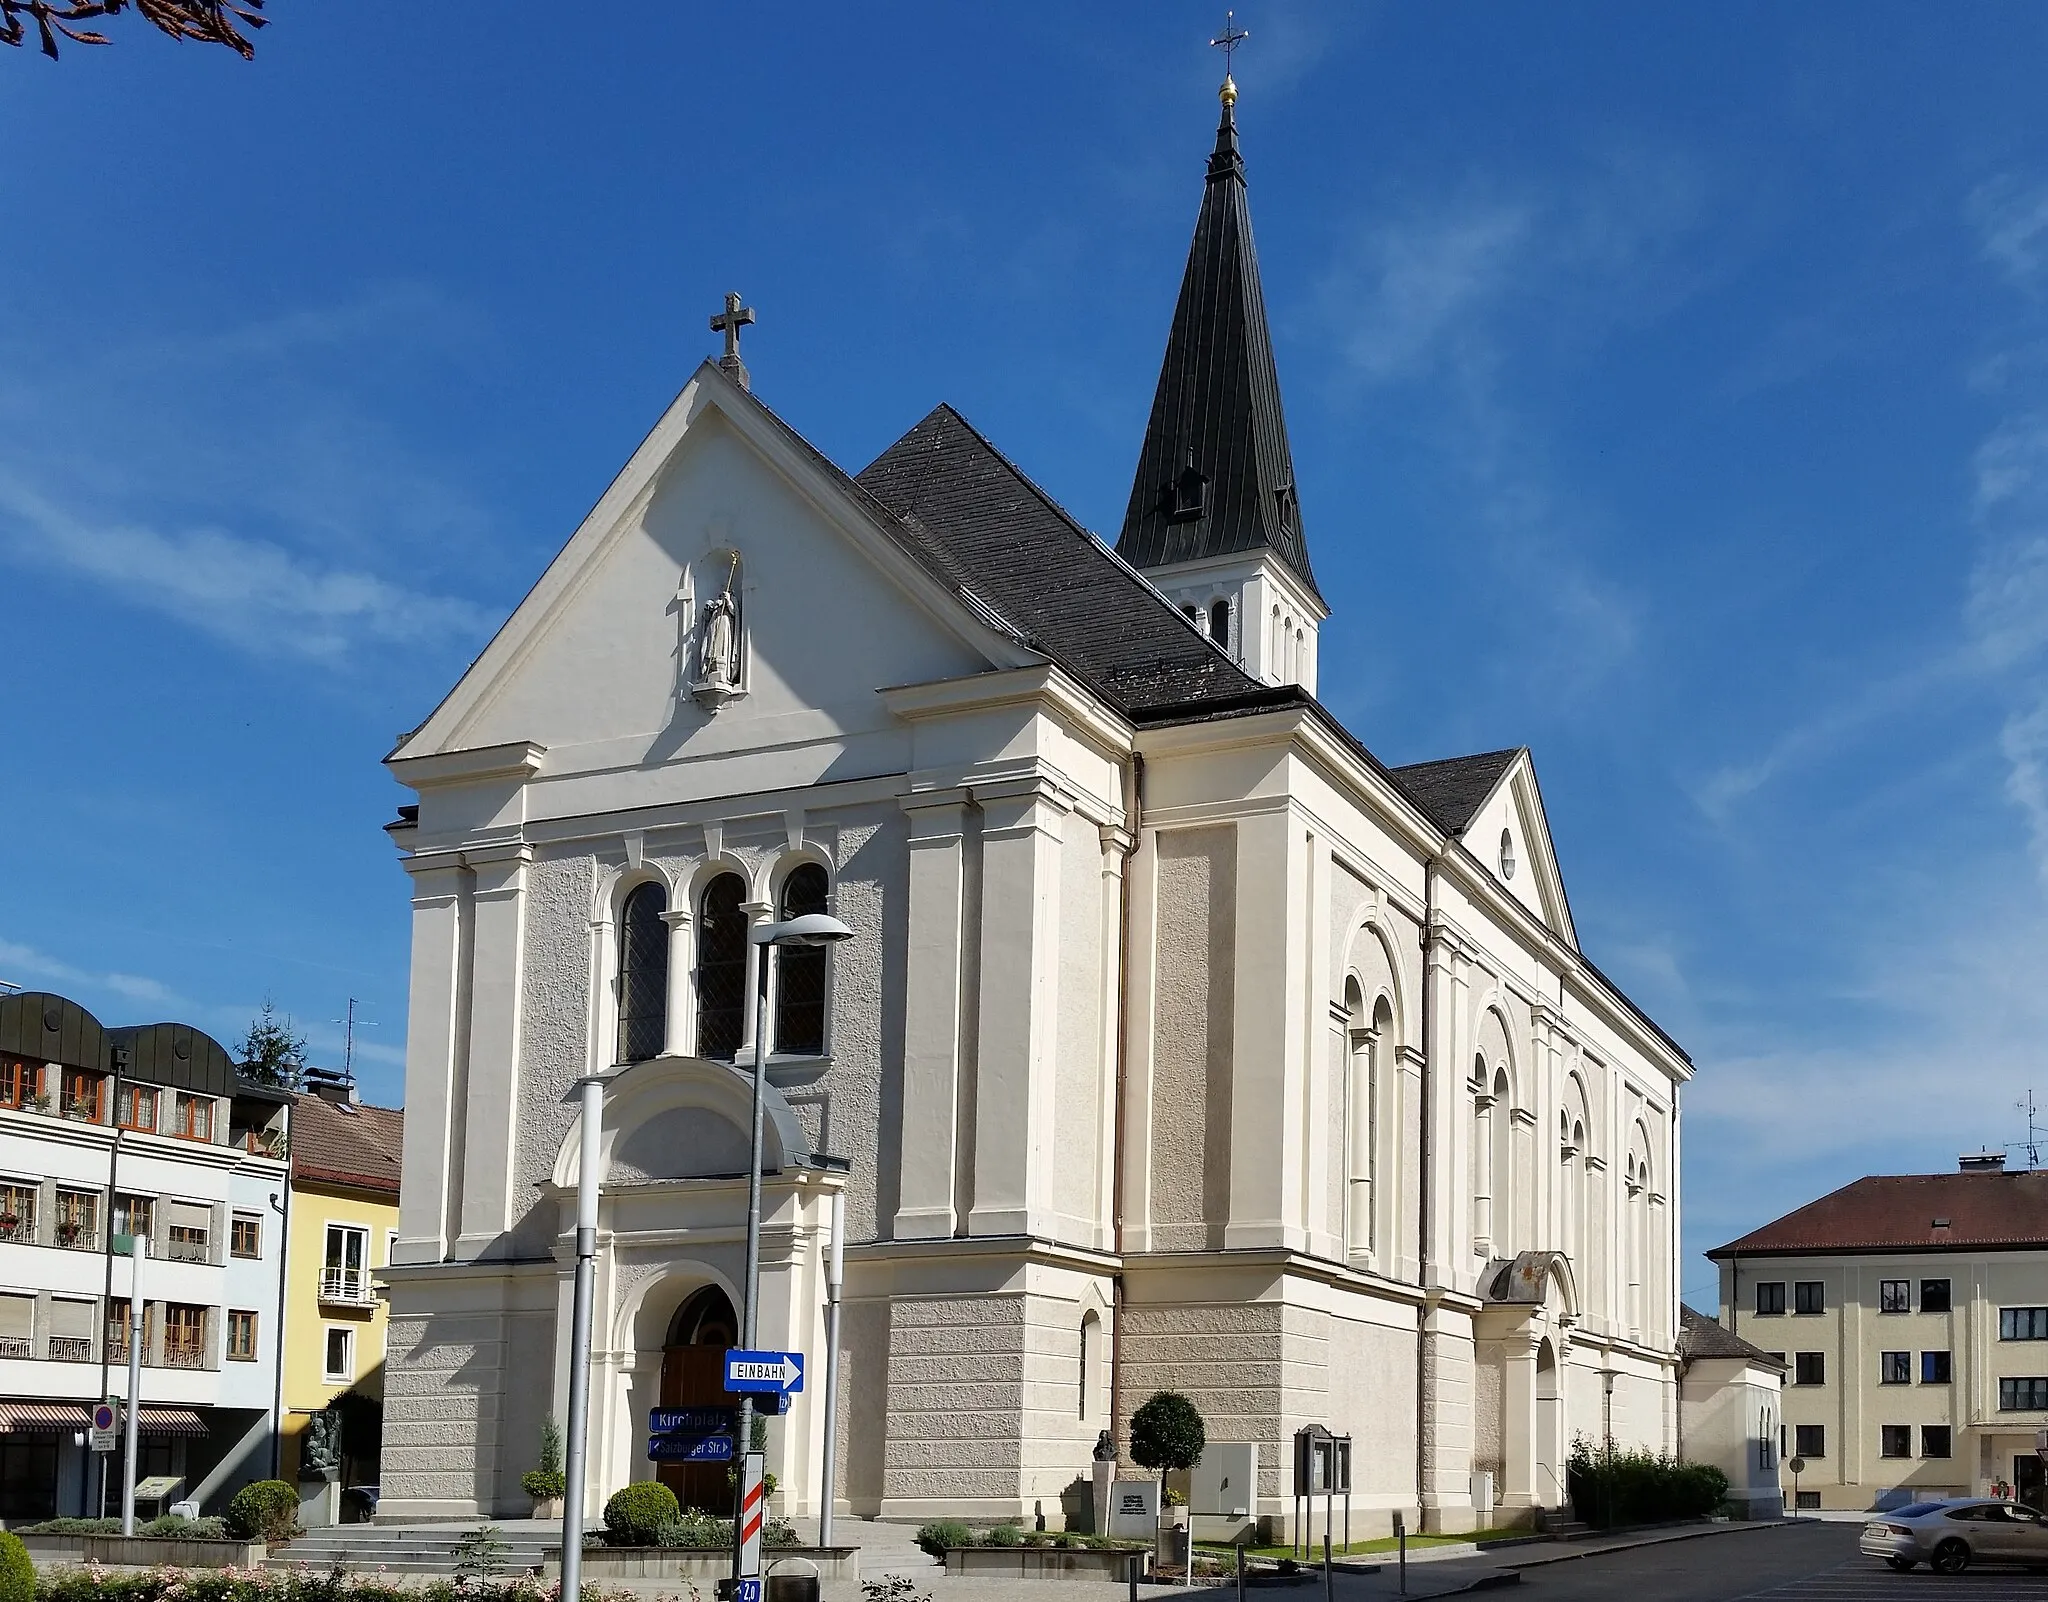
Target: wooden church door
point(693, 1375)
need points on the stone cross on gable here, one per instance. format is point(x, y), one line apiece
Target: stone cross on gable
point(729, 323)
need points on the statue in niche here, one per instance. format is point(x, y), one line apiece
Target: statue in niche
point(718, 646)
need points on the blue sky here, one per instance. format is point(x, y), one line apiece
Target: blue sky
point(1668, 388)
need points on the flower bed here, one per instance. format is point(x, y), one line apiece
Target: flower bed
point(92, 1583)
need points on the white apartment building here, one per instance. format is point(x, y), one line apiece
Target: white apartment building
point(1911, 1311)
point(145, 1130)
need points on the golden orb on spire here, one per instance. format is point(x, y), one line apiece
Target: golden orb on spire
point(1228, 93)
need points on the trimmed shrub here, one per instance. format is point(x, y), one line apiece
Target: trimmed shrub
point(637, 1513)
point(17, 1573)
point(266, 1511)
point(1167, 1432)
point(70, 1526)
point(935, 1538)
point(545, 1480)
point(1610, 1488)
point(1004, 1535)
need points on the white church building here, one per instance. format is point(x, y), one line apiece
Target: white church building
point(1181, 1044)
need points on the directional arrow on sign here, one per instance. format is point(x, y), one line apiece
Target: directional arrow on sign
point(764, 1371)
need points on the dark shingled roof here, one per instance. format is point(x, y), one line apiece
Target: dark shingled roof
point(1700, 1336)
point(1452, 789)
point(1216, 418)
point(354, 1146)
point(982, 526)
point(1910, 1212)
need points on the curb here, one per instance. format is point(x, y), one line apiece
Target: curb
point(1733, 1527)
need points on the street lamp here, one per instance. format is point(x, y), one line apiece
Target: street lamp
point(810, 929)
point(589, 1092)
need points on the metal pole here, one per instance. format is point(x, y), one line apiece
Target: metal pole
point(750, 1312)
point(133, 1432)
point(1240, 1566)
point(577, 1467)
point(835, 1275)
point(1329, 1573)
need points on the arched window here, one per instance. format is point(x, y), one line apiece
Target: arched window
point(1219, 623)
point(1192, 614)
point(1360, 1096)
point(1481, 1158)
point(1501, 1168)
point(643, 974)
point(721, 966)
point(800, 970)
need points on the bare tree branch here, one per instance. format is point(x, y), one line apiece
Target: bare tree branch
point(208, 21)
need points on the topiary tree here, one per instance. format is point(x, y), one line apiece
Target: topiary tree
point(637, 1514)
point(266, 1511)
point(1167, 1433)
point(17, 1573)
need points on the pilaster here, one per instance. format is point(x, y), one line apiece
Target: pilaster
point(932, 1029)
point(491, 1105)
point(1268, 1091)
point(428, 1163)
point(1014, 1078)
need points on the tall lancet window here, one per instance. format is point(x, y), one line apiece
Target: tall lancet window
point(1219, 623)
point(643, 974)
point(721, 966)
point(800, 970)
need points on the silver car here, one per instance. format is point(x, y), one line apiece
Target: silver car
point(1949, 1536)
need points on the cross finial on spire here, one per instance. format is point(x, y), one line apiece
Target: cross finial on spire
point(1227, 41)
point(729, 323)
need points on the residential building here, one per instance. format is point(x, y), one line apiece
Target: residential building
point(1911, 1312)
point(1729, 1408)
point(1180, 1043)
point(344, 1216)
point(145, 1131)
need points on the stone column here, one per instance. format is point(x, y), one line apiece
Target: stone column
point(1518, 1421)
point(932, 1023)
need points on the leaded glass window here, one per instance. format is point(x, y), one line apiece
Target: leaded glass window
point(800, 970)
point(643, 974)
point(721, 966)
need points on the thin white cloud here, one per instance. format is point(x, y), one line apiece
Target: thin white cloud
point(251, 592)
point(2011, 217)
point(22, 963)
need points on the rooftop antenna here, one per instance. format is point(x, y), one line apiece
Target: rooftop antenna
point(2034, 1129)
point(348, 1040)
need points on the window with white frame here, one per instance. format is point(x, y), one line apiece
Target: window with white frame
point(344, 1271)
point(340, 1355)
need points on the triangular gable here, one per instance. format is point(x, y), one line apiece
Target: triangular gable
point(1479, 799)
point(461, 721)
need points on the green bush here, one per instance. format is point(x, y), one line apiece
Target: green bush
point(72, 1527)
point(545, 1480)
point(266, 1511)
point(935, 1538)
point(1610, 1488)
point(638, 1512)
point(175, 1527)
point(78, 1584)
point(17, 1573)
point(1004, 1535)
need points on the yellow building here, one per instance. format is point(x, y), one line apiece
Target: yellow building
point(343, 1218)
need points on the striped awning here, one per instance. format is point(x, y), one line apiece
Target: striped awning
point(42, 1418)
point(57, 1418)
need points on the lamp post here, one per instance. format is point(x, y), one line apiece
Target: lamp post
point(810, 929)
point(589, 1092)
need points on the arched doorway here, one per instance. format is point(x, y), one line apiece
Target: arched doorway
point(1549, 1475)
point(693, 1375)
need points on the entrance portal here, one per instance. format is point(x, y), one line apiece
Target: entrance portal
point(693, 1375)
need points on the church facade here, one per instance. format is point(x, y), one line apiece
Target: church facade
point(1181, 1043)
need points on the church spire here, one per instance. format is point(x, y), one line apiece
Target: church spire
point(1215, 475)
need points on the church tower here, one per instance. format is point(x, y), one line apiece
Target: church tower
point(1214, 520)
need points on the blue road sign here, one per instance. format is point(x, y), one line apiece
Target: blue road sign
point(690, 1448)
point(691, 1420)
point(764, 1371)
point(748, 1590)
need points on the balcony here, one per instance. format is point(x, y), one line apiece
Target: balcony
point(188, 1249)
point(181, 1354)
point(349, 1287)
point(76, 1236)
point(19, 1228)
point(70, 1348)
point(16, 1346)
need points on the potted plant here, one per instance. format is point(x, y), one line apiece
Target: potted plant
point(1167, 1434)
point(10, 1225)
point(68, 1231)
point(545, 1483)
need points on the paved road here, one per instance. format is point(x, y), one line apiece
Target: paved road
point(1812, 1562)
